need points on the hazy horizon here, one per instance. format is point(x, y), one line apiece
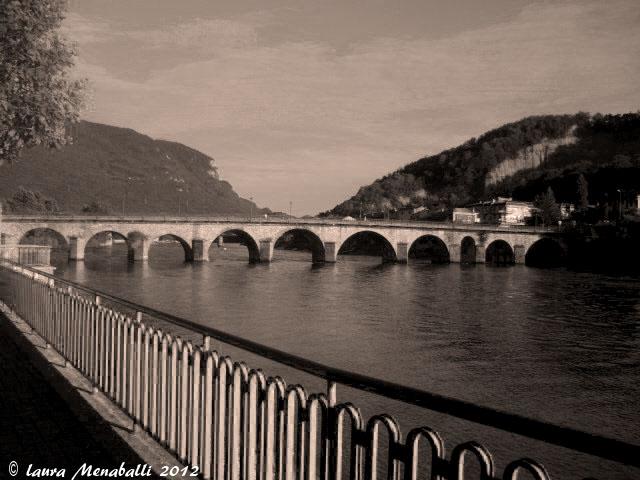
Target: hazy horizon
point(303, 102)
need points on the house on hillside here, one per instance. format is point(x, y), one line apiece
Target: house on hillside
point(504, 211)
point(465, 215)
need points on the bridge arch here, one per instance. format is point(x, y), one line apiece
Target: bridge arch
point(50, 237)
point(235, 236)
point(545, 253)
point(302, 239)
point(368, 242)
point(106, 243)
point(500, 252)
point(468, 250)
point(430, 247)
point(43, 236)
point(170, 238)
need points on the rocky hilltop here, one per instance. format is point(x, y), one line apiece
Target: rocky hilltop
point(529, 157)
point(519, 159)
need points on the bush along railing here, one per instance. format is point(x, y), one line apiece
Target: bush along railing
point(227, 421)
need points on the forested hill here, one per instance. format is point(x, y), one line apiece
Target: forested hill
point(108, 169)
point(518, 159)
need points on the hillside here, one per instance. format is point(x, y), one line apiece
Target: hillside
point(108, 168)
point(518, 159)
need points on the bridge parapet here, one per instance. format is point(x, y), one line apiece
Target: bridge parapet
point(326, 236)
point(207, 219)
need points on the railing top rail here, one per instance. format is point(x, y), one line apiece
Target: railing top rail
point(276, 220)
point(26, 246)
point(577, 440)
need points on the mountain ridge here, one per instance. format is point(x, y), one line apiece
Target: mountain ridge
point(118, 170)
point(560, 147)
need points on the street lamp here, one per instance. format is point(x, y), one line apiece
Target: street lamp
point(251, 209)
point(290, 204)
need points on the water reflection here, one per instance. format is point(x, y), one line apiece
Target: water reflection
point(552, 344)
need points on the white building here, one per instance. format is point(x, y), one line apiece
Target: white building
point(465, 215)
point(504, 211)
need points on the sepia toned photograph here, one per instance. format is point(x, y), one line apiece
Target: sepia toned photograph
point(320, 240)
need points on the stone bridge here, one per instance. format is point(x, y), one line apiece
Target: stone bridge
point(469, 243)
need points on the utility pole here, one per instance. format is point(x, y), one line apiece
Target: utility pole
point(126, 192)
point(619, 204)
point(124, 197)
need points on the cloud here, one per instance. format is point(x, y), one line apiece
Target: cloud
point(86, 31)
point(284, 118)
point(204, 35)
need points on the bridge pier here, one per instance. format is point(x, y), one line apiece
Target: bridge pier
point(455, 253)
point(200, 254)
point(330, 252)
point(481, 254)
point(139, 249)
point(76, 248)
point(518, 254)
point(402, 252)
point(266, 250)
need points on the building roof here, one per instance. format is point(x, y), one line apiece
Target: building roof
point(464, 210)
point(501, 201)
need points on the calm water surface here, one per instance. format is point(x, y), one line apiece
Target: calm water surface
point(556, 345)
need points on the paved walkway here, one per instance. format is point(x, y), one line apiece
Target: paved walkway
point(43, 419)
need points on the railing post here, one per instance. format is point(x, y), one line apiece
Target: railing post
point(332, 393)
point(208, 419)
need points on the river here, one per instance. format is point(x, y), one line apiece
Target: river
point(551, 344)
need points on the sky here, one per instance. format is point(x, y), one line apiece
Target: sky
point(305, 101)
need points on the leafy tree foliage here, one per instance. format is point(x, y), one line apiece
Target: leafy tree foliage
point(95, 207)
point(37, 96)
point(27, 201)
point(583, 192)
point(548, 207)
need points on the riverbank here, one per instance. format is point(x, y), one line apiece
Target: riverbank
point(605, 248)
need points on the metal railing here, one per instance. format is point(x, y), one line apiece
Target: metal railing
point(228, 421)
point(58, 218)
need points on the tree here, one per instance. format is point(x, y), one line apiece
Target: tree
point(548, 207)
point(95, 207)
point(37, 96)
point(28, 201)
point(583, 192)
